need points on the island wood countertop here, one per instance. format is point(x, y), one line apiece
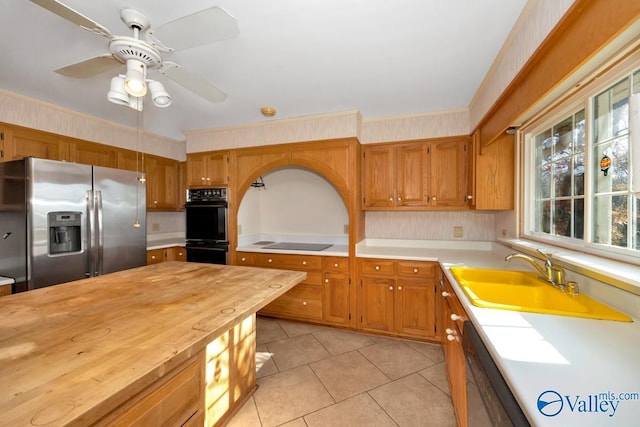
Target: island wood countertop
point(71, 353)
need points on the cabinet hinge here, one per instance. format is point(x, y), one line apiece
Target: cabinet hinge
point(349, 316)
point(465, 148)
point(428, 150)
point(349, 280)
point(1, 136)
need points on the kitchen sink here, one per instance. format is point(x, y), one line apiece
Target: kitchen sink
point(525, 291)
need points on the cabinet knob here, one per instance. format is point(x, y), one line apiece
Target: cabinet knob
point(455, 317)
point(326, 280)
point(433, 198)
point(153, 257)
point(450, 331)
point(469, 197)
point(335, 265)
point(377, 267)
point(399, 288)
point(391, 199)
point(180, 253)
point(270, 260)
point(451, 337)
point(243, 259)
point(445, 294)
point(304, 303)
point(155, 202)
point(415, 270)
point(399, 199)
point(203, 179)
point(390, 288)
point(208, 179)
point(304, 262)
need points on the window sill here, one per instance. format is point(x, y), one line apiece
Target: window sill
point(615, 273)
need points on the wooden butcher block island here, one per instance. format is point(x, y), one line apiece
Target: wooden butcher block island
point(166, 344)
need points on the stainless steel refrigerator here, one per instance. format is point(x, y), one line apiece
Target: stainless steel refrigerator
point(62, 221)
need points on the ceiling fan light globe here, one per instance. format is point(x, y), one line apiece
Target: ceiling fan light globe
point(134, 82)
point(116, 93)
point(160, 96)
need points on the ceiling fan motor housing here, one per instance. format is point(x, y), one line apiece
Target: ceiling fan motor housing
point(126, 48)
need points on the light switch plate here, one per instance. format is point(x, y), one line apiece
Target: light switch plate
point(457, 231)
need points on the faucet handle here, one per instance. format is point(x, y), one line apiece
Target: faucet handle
point(546, 256)
point(558, 275)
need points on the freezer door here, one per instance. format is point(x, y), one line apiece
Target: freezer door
point(57, 221)
point(120, 201)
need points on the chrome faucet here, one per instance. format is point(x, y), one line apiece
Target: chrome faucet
point(552, 274)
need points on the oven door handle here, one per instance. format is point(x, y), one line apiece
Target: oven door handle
point(209, 248)
point(205, 205)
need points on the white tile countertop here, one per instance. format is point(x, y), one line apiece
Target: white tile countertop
point(591, 366)
point(165, 240)
point(6, 280)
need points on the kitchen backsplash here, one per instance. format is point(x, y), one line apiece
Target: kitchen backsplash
point(165, 222)
point(477, 226)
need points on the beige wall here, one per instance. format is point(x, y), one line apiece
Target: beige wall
point(22, 111)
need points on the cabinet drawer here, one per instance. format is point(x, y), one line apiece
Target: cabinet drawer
point(155, 256)
point(416, 269)
point(246, 258)
point(313, 278)
point(335, 263)
point(172, 402)
point(303, 301)
point(290, 262)
point(377, 266)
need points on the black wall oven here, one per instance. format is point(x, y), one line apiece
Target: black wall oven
point(206, 228)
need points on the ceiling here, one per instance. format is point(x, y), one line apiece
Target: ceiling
point(383, 58)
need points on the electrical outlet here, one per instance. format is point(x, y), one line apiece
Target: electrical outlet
point(346, 229)
point(239, 228)
point(457, 231)
point(155, 226)
point(504, 232)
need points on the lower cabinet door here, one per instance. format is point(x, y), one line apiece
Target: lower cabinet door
point(377, 304)
point(415, 307)
point(302, 302)
point(336, 298)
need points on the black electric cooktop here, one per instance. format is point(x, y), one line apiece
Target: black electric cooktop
point(292, 246)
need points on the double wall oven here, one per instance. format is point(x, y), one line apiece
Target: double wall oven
point(206, 228)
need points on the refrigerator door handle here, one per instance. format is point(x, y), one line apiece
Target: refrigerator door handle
point(91, 231)
point(100, 233)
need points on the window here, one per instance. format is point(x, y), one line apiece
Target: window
point(578, 174)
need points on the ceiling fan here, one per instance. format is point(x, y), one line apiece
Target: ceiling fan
point(139, 55)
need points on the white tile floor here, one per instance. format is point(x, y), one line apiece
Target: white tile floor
point(312, 376)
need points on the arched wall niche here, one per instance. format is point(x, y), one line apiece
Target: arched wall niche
point(296, 201)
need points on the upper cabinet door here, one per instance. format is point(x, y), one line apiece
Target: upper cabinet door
point(22, 142)
point(412, 175)
point(207, 169)
point(378, 177)
point(449, 173)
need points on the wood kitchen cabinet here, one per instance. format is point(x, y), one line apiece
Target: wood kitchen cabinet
point(453, 316)
point(415, 176)
point(397, 297)
point(90, 153)
point(324, 297)
point(22, 142)
point(493, 187)
point(207, 169)
point(336, 291)
point(175, 253)
point(163, 183)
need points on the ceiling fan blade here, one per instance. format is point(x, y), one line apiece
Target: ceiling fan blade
point(72, 16)
point(207, 26)
point(90, 67)
point(194, 83)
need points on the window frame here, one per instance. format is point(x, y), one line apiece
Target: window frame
point(568, 106)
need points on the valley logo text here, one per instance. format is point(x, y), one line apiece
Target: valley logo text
point(552, 403)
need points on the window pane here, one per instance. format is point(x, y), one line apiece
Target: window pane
point(562, 177)
point(610, 220)
point(611, 110)
point(544, 178)
point(578, 218)
point(562, 218)
point(563, 138)
point(543, 217)
point(578, 175)
point(617, 178)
